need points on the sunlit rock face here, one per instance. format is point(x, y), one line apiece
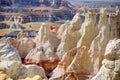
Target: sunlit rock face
point(70, 66)
point(88, 33)
point(8, 52)
point(46, 39)
point(47, 59)
point(110, 69)
point(68, 42)
point(44, 52)
point(98, 45)
point(70, 35)
point(23, 45)
point(86, 57)
point(45, 35)
point(73, 51)
point(74, 60)
point(75, 24)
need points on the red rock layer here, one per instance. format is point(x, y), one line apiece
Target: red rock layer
point(48, 65)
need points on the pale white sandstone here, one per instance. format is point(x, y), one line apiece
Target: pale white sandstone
point(77, 62)
point(45, 35)
point(87, 31)
point(98, 45)
point(110, 69)
point(23, 45)
point(66, 60)
point(68, 42)
point(75, 24)
point(70, 63)
point(62, 28)
point(36, 55)
point(41, 53)
point(8, 52)
point(111, 49)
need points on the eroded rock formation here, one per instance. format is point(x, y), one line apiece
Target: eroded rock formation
point(86, 59)
point(44, 52)
point(98, 45)
point(75, 24)
point(77, 52)
point(45, 35)
point(110, 69)
point(62, 28)
point(70, 35)
point(11, 63)
point(88, 33)
point(23, 45)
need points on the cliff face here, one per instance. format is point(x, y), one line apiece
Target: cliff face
point(36, 10)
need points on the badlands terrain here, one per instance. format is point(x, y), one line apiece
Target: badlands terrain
point(74, 51)
point(86, 47)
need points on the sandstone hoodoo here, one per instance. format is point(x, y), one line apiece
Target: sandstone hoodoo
point(23, 45)
point(44, 52)
point(98, 45)
point(75, 24)
point(110, 69)
point(10, 62)
point(62, 28)
point(85, 60)
point(45, 35)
